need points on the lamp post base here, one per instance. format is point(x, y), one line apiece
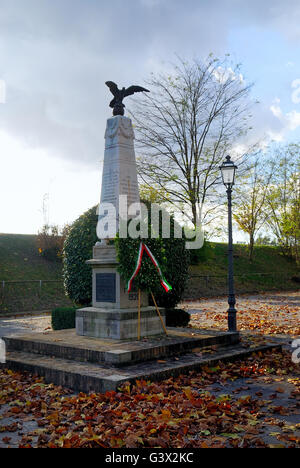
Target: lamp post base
point(232, 326)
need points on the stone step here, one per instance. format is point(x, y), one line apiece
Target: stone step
point(66, 344)
point(88, 377)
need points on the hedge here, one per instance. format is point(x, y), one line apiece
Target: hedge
point(170, 253)
point(78, 248)
point(172, 257)
point(63, 318)
point(177, 318)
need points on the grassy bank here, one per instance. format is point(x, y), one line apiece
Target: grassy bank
point(269, 270)
point(20, 261)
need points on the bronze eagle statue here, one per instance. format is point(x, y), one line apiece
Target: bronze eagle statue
point(119, 94)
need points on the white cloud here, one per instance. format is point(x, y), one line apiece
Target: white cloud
point(290, 121)
point(26, 175)
point(293, 120)
point(296, 93)
point(275, 108)
point(224, 74)
point(56, 56)
point(275, 136)
point(238, 150)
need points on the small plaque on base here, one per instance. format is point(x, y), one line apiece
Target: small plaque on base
point(105, 287)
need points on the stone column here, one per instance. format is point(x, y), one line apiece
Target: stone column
point(114, 312)
point(119, 175)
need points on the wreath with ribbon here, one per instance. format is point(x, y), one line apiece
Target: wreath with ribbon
point(144, 248)
point(142, 265)
point(155, 265)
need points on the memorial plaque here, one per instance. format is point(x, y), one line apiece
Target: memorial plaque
point(105, 287)
point(133, 295)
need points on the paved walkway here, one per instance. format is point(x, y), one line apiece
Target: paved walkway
point(275, 313)
point(24, 325)
point(266, 313)
point(268, 402)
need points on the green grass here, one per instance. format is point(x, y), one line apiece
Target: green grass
point(277, 271)
point(20, 261)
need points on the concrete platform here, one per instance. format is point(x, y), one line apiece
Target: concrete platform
point(66, 344)
point(90, 364)
point(88, 377)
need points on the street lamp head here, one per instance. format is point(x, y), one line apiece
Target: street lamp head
point(228, 169)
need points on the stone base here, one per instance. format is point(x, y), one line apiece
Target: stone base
point(119, 324)
point(66, 344)
point(109, 289)
point(89, 364)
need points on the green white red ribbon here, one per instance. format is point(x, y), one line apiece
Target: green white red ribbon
point(143, 248)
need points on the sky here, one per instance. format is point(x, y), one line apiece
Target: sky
point(55, 56)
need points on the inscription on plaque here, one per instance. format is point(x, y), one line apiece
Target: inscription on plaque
point(105, 287)
point(133, 295)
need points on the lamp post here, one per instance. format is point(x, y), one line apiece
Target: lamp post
point(228, 169)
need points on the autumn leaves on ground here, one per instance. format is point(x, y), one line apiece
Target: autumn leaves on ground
point(276, 313)
point(250, 403)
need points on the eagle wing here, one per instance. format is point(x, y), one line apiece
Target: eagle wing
point(135, 89)
point(113, 87)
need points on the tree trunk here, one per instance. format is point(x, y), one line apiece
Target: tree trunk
point(251, 247)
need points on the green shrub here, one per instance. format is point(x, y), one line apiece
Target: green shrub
point(170, 253)
point(177, 318)
point(172, 257)
point(78, 248)
point(177, 264)
point(63, 318)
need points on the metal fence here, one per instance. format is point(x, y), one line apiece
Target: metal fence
point(34, 295)
point(210, 285)
point(39, 282)
point(31, 295)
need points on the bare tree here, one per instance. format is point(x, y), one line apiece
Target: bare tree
point(283, 201)
point(186, 126)
point(50, 241)
point(251, 200)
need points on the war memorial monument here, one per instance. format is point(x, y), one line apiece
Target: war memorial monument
point(104, 351)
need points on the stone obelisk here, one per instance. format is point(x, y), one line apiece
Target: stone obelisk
point(113, 314)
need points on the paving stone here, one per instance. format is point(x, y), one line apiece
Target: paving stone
point(88, 377)
point(67, 344)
